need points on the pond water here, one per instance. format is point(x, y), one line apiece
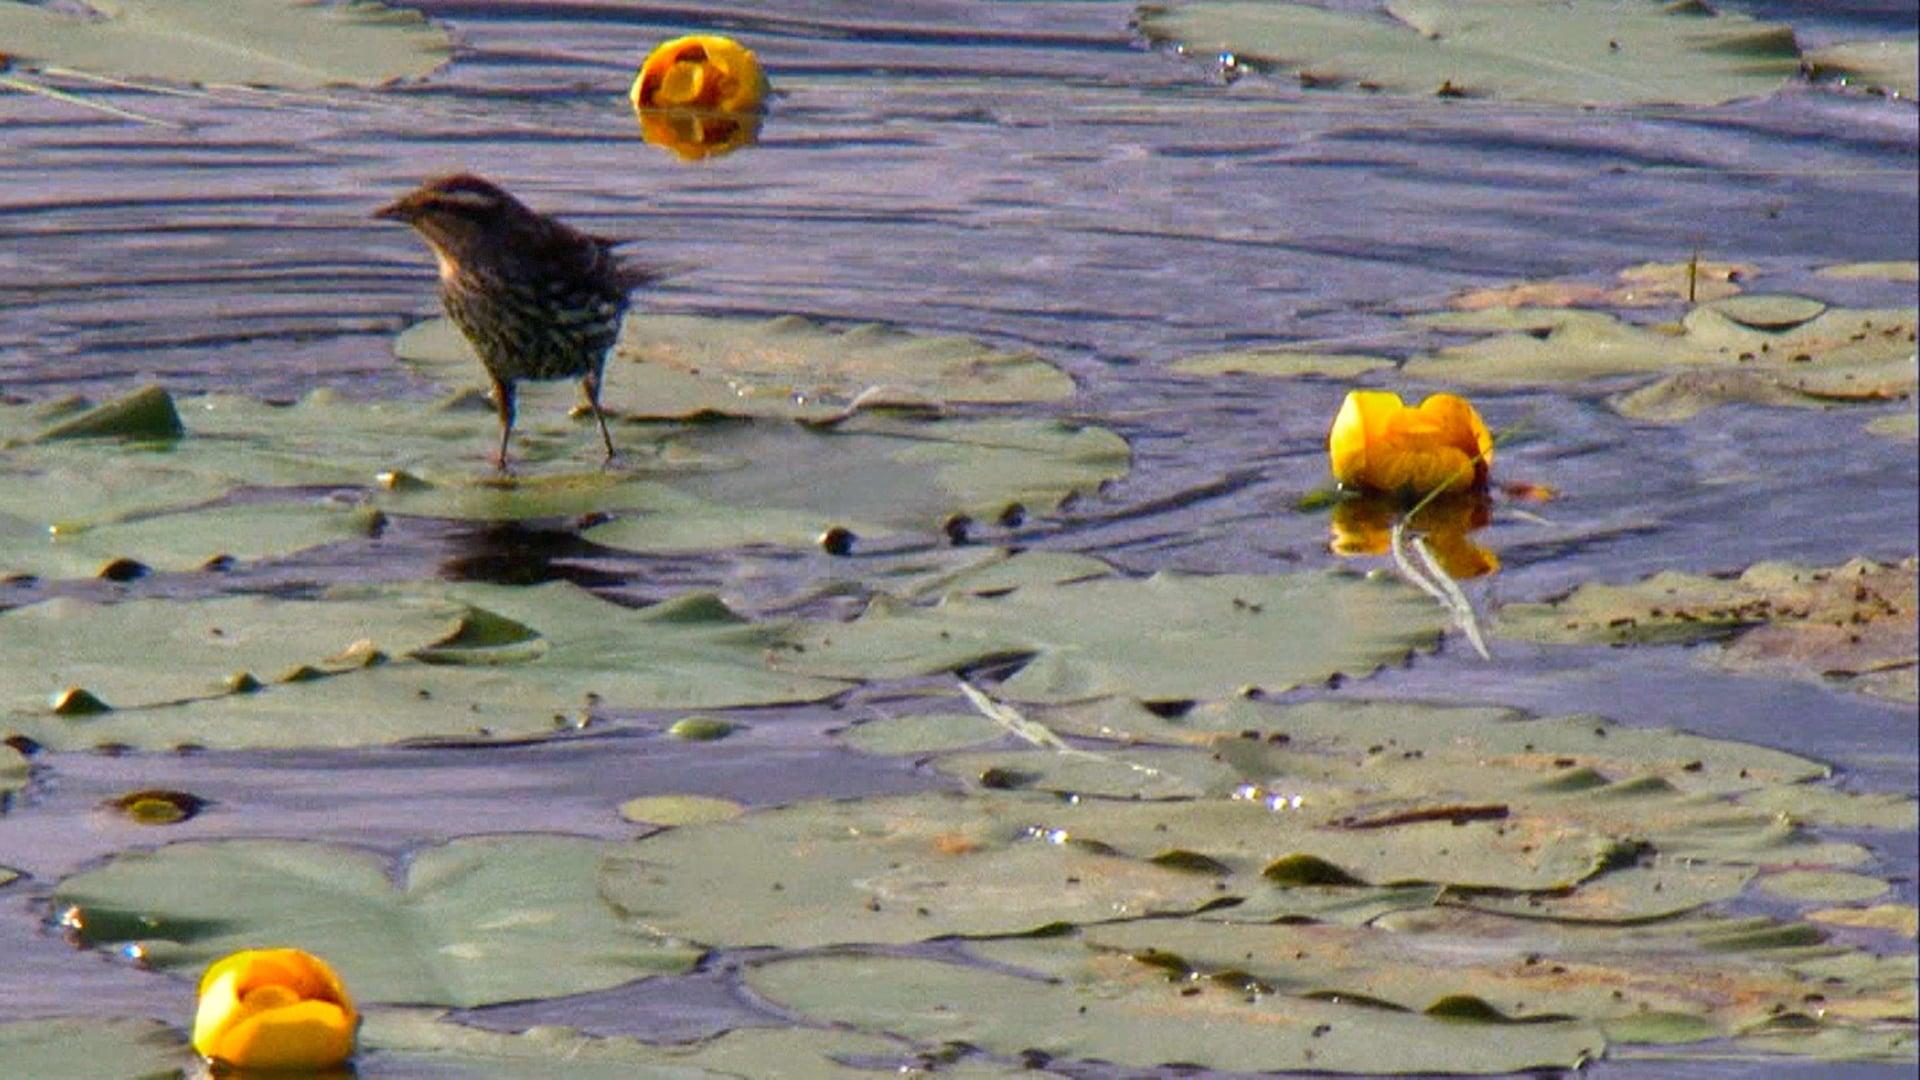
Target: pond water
point(1025, 173)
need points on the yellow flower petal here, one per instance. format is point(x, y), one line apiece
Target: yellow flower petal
point(729, 76)
point(1377, 443)
point(274, 1009)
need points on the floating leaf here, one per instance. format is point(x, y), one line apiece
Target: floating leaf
point(679, 809)
point(682, 366)
point(265, 42)
point(1886, 66)
point(1873, 271)
point(94, 1047)
point(921, 734)
point(1573, 52)
point(1212, 635)
point(429, 1040)
point(1825, 886)
point(1898, 918)
point(1851, 624)
point(1645, 285)
point(473, 922)
point(1552, 345)
point(1282, 363)
point(146, 415)
point(1132, 1015)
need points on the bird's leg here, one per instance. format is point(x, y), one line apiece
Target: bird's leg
point(503, 401)
point(591, 384)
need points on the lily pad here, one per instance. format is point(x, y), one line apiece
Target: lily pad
point(1850, 625)
point(1903, 425)
point(684, 366)
point(1820, 354)
point(1824, 886)
point(1874, 271)
point(391, 1037)
point(1897, 918)
point(1885, 66)
point(153, 652)
point(467, 663)
point(679, 809)
point(473, 922)
point(1211, 635)
point(1282, 363)
point(921, 734)
point(1131, 1015)
point(182, 541)
point(254, 42)
point(690, 486)
point(1570, 52)
point(1646, 285)
point(76, 1049)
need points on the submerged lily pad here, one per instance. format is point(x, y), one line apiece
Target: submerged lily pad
point(682, 366)
point(1132, 1015)
point(1852, 625)
point(257, 42)
point(473, 922)
point(1573, 52)
point(1211, 635)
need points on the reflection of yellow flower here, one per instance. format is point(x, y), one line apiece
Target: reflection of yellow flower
point(1380, 444)
point(274, 1009)
point(1363, 526)
point(700, 96)
point(693, 135)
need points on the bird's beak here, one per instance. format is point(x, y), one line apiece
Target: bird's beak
point(401, 209)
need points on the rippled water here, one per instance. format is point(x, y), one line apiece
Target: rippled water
point(1026, 173)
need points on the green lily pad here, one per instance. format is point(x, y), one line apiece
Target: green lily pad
point(464, 663)
point(1903, 425)
point(1818, 356)
point(1885, 66)
point(255, 42)
point(912, 868)
point(1570, 52)
point(1646, 285)
point(1512, 971)
point(122, 1048)
point(181, 542)
point(684, 487)
point(887, 870)
point(152, 652)
point(1850, 625)
point(683, 366)
point(1824, 886)
point(1287, 363)
point(1901, 919)
point(679, 809)
point(1125, 774)
point(473, 922)
point(1132, 1015)
point(145, 415)
point(921, 734)
point(1212, 635)
point(393, 1037)
point(1873, 271)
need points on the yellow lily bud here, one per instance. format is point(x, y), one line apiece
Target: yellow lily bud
point(274, 1010)
point(700, 96)
point(1380, 444)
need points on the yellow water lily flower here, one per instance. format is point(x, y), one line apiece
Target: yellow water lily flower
point(701, 71)
point(272, 1010)
point(700, 95)
point(1378, 443)
point(1364, 526)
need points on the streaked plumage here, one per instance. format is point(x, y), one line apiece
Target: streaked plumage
point(536, 298)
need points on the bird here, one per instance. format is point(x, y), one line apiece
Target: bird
point(537, 298)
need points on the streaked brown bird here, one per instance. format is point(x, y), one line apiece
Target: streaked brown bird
point(536, 298)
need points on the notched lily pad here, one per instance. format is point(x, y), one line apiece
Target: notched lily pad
point(1646, 285)
point(473, 922)
point(1885, 66)
point(1573, 52)
point(82, 1049)
point(1212, 635)
point(254, 42)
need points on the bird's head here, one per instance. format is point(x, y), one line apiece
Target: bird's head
point(459, 215)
